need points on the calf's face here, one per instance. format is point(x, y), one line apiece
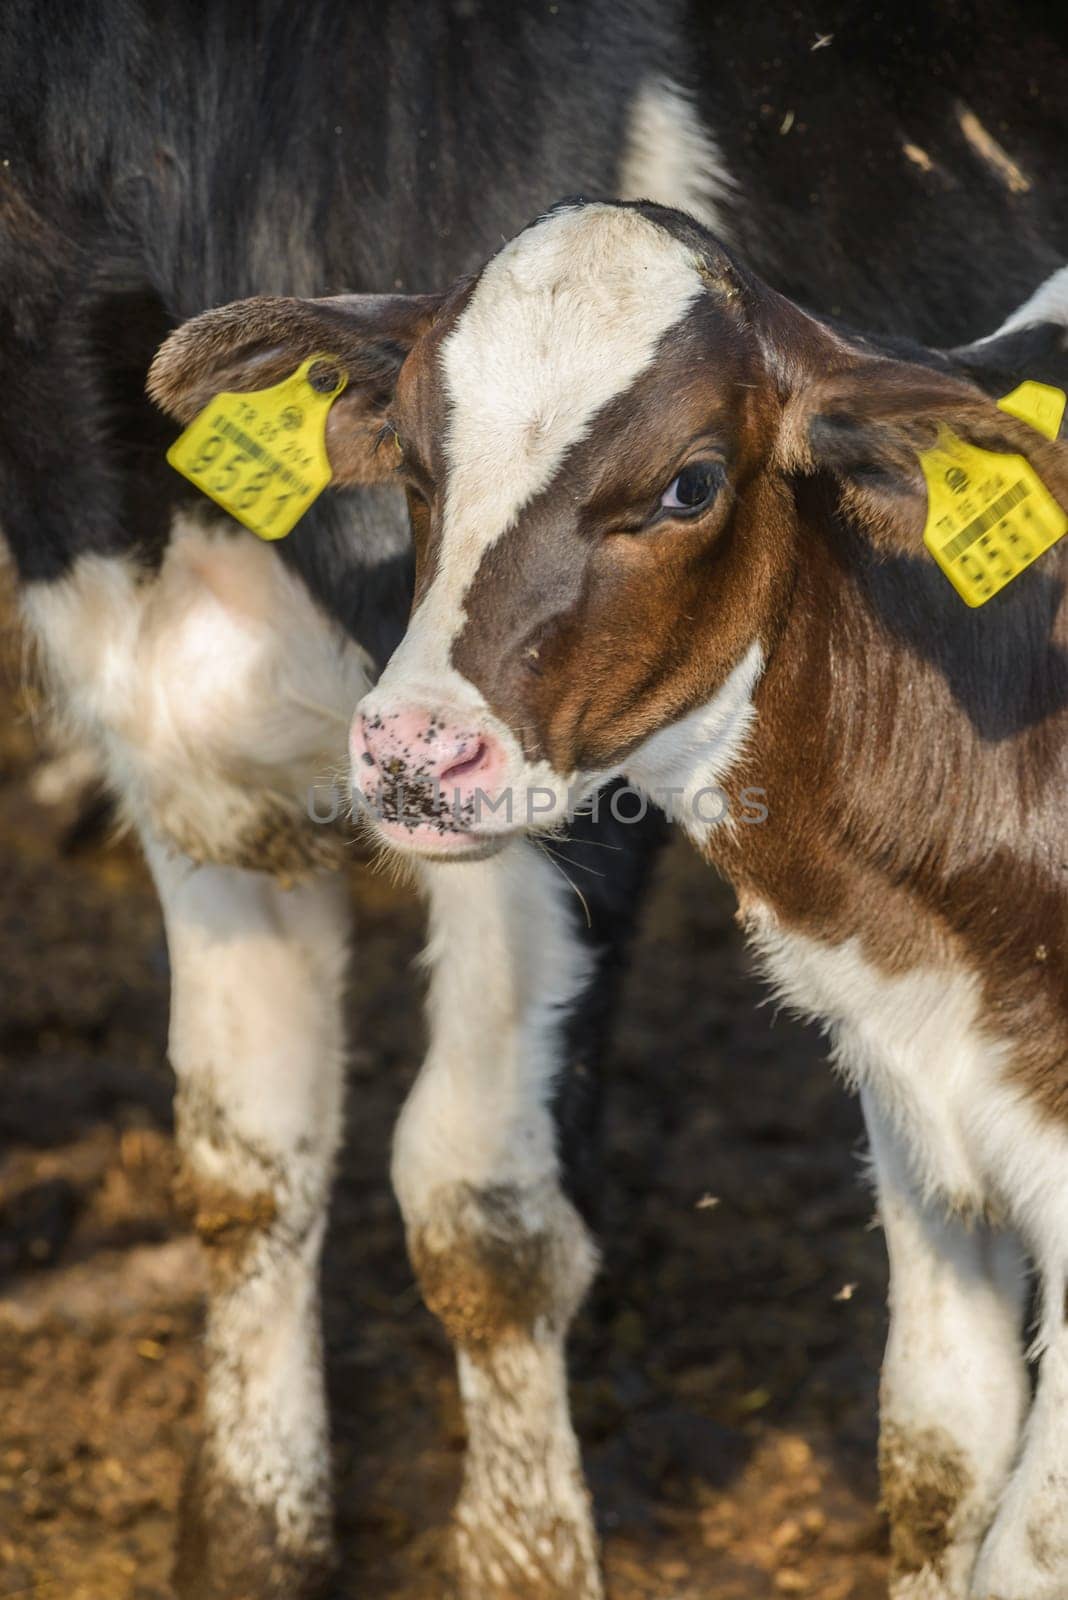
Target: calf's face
point(582, 436)
point(600, 439)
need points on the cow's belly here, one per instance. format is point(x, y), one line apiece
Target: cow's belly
point(216, 691)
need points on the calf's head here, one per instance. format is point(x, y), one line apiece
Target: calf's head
point(601, 438)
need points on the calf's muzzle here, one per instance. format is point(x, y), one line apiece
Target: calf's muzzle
point(429, 779)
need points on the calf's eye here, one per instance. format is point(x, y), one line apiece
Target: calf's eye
point(695, 488)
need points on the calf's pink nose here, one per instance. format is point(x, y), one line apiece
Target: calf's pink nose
point(418, 746)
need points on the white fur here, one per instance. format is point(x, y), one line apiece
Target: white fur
point(698, 751)
point(1049, 303)
point(911, 1041)
point(952, 1133)
point(256, 1042)
point(504, 963)
point(954, 1376)
point(504, 960)
point(564, 318)
point(567, 316)
point(1025, 1556)
point(672, 158)
point(523, 1469)
point(204, 688)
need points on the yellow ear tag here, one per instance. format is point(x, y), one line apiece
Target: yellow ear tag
point(1039, 404)
point(262, 456)
point(988, 516)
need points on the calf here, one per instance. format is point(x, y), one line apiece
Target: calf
point(669, 528)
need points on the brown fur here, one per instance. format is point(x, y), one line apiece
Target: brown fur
point(914, 753)
point(893, 752)
point(253, 344)
point(612, 606)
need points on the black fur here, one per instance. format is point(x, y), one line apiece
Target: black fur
point(832, 211)
point(167, 159)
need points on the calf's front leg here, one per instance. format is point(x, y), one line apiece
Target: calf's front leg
point(502, 1256)
point(256, 1044)
point(954, 1384)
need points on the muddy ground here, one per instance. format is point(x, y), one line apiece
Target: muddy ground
point(724, 1369)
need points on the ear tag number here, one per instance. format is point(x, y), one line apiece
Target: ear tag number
point(262, 456)
point(989, 516)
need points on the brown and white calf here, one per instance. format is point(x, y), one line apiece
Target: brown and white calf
point(669, 527)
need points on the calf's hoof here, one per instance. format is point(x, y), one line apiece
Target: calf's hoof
point(927, 1584)
point(511, 1559)
point(229, 1549)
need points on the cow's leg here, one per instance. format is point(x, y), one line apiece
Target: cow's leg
point(256, 1044)
point(1025, 1554)
point(954, 1383)
point(502, 1255)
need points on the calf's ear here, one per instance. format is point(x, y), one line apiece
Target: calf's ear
point(867, 425)
point(253, 344)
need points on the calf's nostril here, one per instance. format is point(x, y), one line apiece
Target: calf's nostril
point(468, 764)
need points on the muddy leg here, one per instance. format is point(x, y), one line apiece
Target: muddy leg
point(954, 1383)
point(256, 1044)
point(502, 1255)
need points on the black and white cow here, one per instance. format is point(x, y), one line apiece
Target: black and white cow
point(155, 163)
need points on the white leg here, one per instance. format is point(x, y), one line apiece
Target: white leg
point(954, 1384)
point(1025, 1554)
point(502, 1256)
point(256, 1044)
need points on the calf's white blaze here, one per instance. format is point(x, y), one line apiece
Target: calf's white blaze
point(566, 317)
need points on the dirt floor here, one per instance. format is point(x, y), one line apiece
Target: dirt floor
point(724, 1369)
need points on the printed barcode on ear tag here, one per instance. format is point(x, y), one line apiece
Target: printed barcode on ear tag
point(262, 455)
point(989, 516)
